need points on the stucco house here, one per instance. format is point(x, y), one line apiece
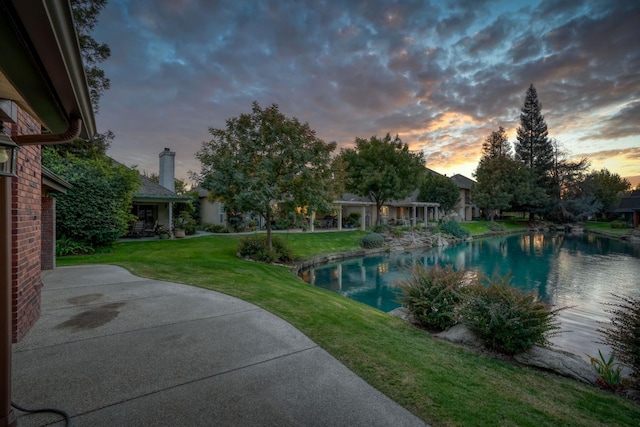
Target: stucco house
point(45, 100)
point(153, 203)
point(465, 208)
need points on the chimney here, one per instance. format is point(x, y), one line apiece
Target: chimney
point(167, 169)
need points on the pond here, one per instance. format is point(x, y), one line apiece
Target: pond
point(578, 271)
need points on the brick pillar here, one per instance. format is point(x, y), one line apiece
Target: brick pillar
point(48, 238)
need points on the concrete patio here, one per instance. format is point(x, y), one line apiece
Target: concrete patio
point(113, 349)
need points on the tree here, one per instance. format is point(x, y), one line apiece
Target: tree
point(497, 181)
point(533, 148)
point(570, 196)
point(382, 169)
point(608, 187)
point(439, 189)
point(97, 209)
point(85, 16)
point(264, 159)
point(496, 144)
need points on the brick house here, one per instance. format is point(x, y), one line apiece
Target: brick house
point(44, 100)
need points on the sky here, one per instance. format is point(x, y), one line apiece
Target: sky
point(442, 75)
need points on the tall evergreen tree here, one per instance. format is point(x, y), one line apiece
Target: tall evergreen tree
point(496, 145)
point(533, 146)
point(535, 150)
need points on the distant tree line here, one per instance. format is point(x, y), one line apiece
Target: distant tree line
point(540, 178)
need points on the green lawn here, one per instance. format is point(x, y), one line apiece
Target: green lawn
point(605, 227)
point(482, 227)
point(440, 383)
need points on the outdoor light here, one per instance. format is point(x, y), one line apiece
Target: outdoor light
point(8, 156)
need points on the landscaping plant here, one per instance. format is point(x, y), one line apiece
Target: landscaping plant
point(623, 335)
point(609, 371)
point(256, 248)
point(453, 228)
point(505, 318)
point(432, 295)
point(372, 240)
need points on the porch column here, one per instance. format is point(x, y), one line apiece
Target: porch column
point(363, 214)
point(437, 214)
point(413, 208)
point(312, 219)
point(171, 216)
point(340, 218)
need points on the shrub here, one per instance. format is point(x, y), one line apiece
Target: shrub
point(372, 240)
point(255, 247)
point(67, 246)
point(623, 335)
point(214, 228)
point(496, 226)
point(506, 319)
point(381, 228)
point(186, 222)
point(353, 219)
point(432, 295)
point(453, 228)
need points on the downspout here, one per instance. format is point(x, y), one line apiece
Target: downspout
point(7, 416)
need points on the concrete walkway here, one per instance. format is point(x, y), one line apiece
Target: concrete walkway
point(113, 349)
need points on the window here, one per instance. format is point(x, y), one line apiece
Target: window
point(221, 218)
point(384, 211)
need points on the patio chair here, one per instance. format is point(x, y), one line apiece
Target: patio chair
point(150, 231)
point(137, 229)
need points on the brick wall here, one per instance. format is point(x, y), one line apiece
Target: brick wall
point(48, 220)
point(26, 219)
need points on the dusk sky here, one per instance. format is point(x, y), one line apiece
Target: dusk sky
point(441, 74)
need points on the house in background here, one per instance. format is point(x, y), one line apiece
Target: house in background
point(153, 203)
point(45, 100)
point(465, 208)
point(628, 209)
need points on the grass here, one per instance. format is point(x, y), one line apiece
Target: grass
point(440, 383)
point(482, 227)
point(605, 227)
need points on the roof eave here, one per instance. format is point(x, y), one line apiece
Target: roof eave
point(41, 67)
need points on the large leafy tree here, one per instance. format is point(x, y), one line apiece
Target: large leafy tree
point(263, 159)
point(439, 189)
point(570, 197)
point(382, 169)
point(534, 149)
point(497, 180)
point(97, 209)
point(608, 187)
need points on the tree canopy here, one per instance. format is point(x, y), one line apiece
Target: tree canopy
point(382, 169)
point(440, 189)
point(263, 160)
point(496, 144)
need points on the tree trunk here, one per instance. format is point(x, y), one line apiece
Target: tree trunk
point(268, 220)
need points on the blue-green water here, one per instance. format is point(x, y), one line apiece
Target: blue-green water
point(579, 271)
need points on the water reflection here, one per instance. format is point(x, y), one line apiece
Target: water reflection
point(565, 270)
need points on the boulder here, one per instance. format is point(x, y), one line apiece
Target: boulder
point(460, 334)
point(560, 362)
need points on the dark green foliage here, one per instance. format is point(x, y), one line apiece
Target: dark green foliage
point(214, 228)
point(623, 334)
point(453, 228)
point(610, 370)
point(506, 319)
point(533, 146)
point(496, 145)
point(608, 187)
point(381, 228)
point(439, 189)
point(97, 209)
point(353, 219)
point(432, 295)
point(372, 240)
point(381, 169)
point(496, 226)
point(256, 248)
point(66, 246)
point(186, 222)
point(262, 160)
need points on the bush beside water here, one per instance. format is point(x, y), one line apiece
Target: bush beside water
point(506, 319)
point(453, 228)
point(372, 240)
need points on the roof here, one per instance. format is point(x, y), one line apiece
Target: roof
point(53, 182)
point(462, 181)
point(152, 191)
point(41, 65)
point(629, 203)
